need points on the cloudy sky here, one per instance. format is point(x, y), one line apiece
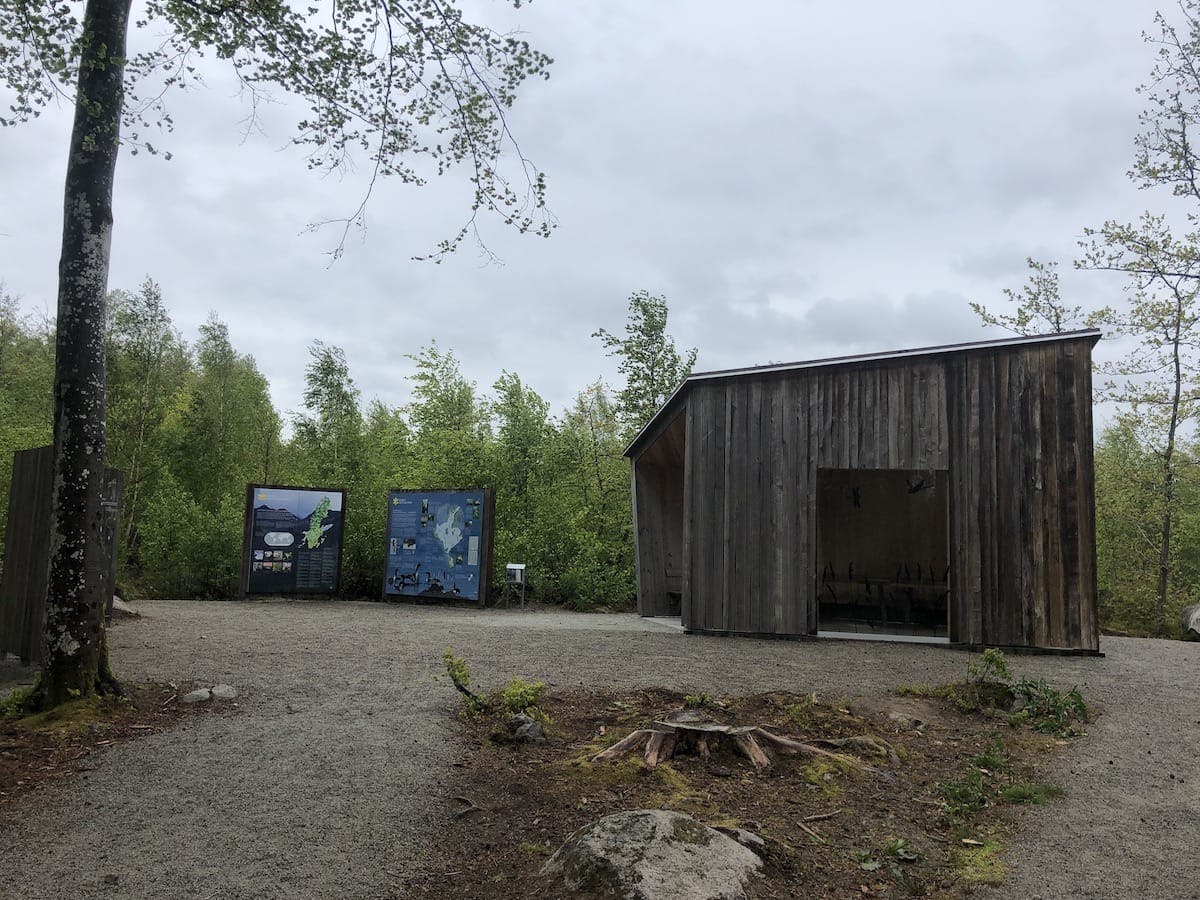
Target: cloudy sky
point(799, 179)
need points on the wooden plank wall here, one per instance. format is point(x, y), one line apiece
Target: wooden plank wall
point(753, 448)
point(658, 477)
point(1022, 497)
point(27, 550)
point(1012, 427)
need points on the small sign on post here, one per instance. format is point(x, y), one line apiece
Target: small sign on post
point(514, 576)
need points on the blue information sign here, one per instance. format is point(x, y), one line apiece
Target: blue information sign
point(438, 545)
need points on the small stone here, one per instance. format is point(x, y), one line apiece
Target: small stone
point(112, 879)
point(530, 732)
point(905, 722)
point(120, 607)
point(224, 692)
point(197, 696)
point(520, 729)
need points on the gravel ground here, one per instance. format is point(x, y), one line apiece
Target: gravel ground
point(328, 779)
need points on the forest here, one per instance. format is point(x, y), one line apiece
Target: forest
point(191, 424)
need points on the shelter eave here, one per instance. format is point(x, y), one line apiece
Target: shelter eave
point(667, 411)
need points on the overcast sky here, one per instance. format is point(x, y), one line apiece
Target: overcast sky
point(799, 179)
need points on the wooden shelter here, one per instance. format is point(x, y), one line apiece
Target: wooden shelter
point(943, 494)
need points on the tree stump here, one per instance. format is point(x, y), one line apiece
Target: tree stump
point(688, 733)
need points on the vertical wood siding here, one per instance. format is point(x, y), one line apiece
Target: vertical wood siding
point(27, 550)
point(1012, 428)
point(26, 554)
point(1022, 503)
point(658, 483)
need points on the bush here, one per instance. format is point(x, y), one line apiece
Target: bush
point(521, 697)
point(1048, 710)
point(991, 666)
point(460, 677)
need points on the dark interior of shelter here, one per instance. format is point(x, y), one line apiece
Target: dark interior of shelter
point(882, 557)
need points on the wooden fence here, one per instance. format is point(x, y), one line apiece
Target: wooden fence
point(27, 550)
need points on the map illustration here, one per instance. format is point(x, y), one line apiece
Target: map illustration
point(436, 544)
point(295, 540)
point(318, 524)
point(449, 530)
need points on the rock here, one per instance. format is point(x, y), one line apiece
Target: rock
point(905, 722)
point(653, 855)
point(1189, 621)
point(120, 607)
point(746, 838)
point(197, 696)
point(224, 692)
point(520, 729)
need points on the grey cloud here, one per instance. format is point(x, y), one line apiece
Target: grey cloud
point(1005, 263)
point(752, 166)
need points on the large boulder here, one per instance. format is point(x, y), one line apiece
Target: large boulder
point(1189, 621)
point(651, 854)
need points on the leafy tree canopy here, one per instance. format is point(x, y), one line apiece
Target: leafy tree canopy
point(651, 365)
point(394, 82)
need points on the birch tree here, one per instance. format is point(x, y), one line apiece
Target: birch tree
point(1037, 306)
point(409, 84)
point(649, 361)
point(147, 364)
point(1160, 258)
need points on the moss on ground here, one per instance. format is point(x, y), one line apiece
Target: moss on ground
point(981, 865)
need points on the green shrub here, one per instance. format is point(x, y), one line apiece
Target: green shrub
point(966, 796)
point(188, 551)
point(17, 702)
point(521, 697)
point(460, 677)
point(1048, 710)
point(991, 666)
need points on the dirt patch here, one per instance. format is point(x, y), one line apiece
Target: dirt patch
point(48, 748)
point(928, 819)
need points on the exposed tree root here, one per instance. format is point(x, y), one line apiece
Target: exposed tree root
point(684, 733)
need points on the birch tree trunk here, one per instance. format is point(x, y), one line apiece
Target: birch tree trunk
point(76, 659)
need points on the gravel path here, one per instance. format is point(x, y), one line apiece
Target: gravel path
point(328, 780)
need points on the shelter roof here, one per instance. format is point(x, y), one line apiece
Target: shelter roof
point(675, 401)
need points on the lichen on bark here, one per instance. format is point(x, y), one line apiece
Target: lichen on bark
point(75, 661)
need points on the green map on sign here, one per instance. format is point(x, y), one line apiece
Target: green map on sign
point(316, 525)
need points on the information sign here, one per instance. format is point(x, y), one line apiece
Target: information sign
point(293, 540)
point(439, 544)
